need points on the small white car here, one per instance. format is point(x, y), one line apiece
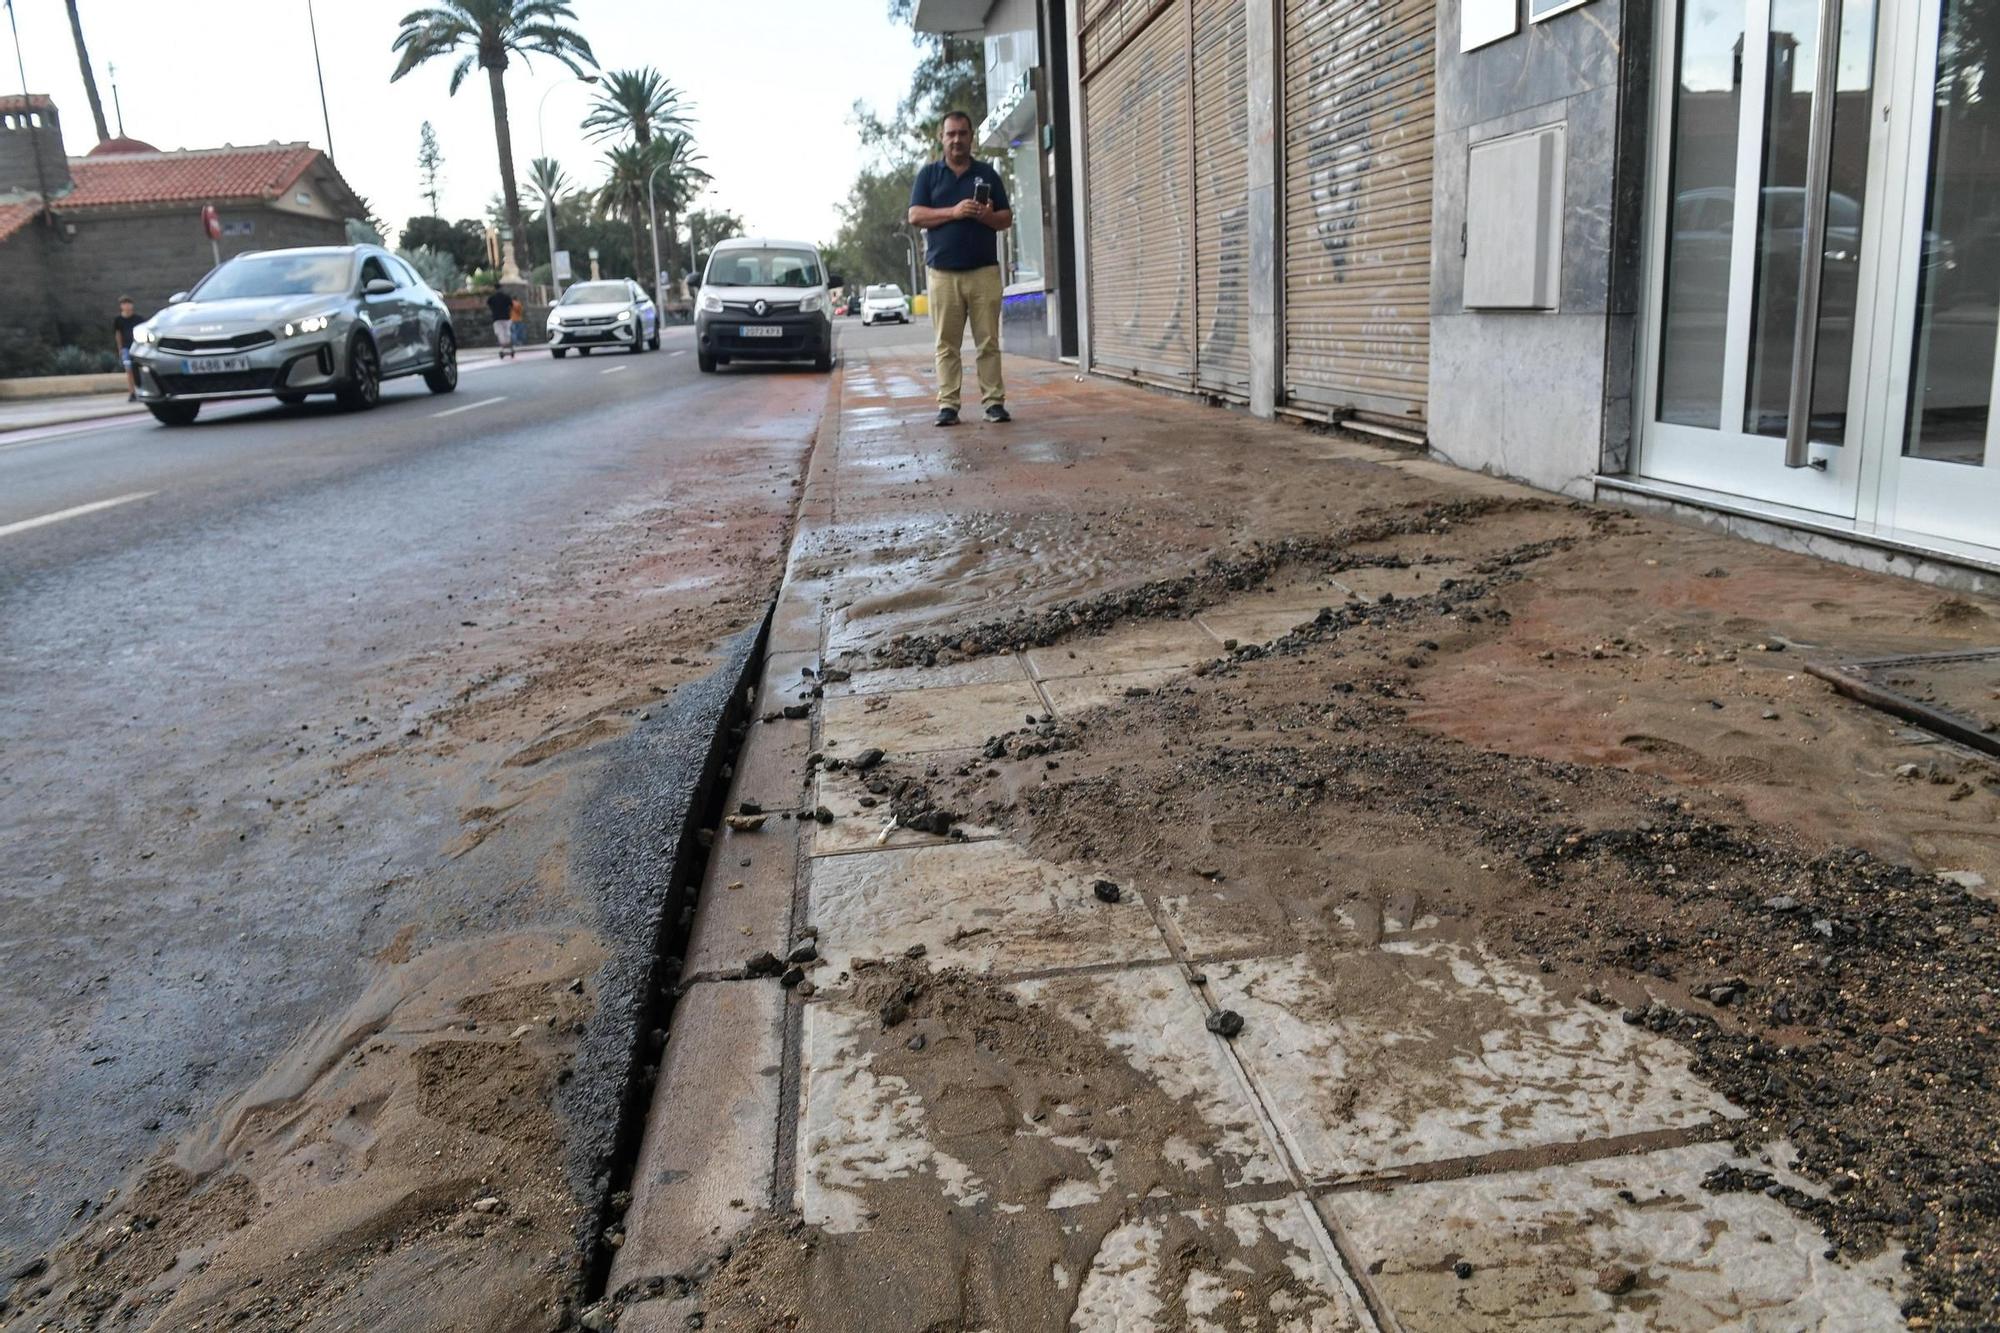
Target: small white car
point(885, 301)
point(612, 312)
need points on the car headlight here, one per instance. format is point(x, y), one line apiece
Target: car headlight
point(810, 303)
point(711, 304)
point(142, 335)
point(555, 320)
point(624, 317)
point(310, 324)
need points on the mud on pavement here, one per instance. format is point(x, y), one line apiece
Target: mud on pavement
point(1633, 791)
point(1273, 883)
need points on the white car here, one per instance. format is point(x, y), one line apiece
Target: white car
point(885, 302)
point(764, 300)
point(611, 313)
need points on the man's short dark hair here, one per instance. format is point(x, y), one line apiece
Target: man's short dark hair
point(950, 116)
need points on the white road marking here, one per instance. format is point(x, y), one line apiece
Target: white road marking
point(80, 510)
point(484, 402)
point(682, 352)
point(613, 370)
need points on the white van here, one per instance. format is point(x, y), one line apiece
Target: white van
point(764, 300)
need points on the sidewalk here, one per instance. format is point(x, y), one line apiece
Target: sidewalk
point(1218, 876)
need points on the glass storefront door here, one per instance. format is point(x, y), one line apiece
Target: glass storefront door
point(1943, 474)
point(1901, 428)
point(1729, 225)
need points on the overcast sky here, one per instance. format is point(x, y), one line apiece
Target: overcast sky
point(773, 82)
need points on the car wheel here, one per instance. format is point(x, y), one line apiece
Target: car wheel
point(583, 351)
point(824, 361)
point(559, 352)
point(291, 399)
point(638, 346)
point(442, 377)
point(364, 378)
point(654, 342)
point(706, 360)
point(175, 414)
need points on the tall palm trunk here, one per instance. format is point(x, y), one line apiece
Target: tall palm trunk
point(89, 78)
point(673, 239)
point(639, 237)
point(504, 137)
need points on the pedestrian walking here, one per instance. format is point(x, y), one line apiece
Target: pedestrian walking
point(121, 333)
point(518, 316)
point(962, 206)
point(501, 306)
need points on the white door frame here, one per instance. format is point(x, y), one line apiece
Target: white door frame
point(1956, 501)
point(1730, 459)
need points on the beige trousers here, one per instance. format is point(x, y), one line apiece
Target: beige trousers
point(972, 294)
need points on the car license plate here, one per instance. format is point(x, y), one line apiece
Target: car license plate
point(214, 365)
point(761, 331)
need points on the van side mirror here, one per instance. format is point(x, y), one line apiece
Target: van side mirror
point(835, 280)
point(177, 298)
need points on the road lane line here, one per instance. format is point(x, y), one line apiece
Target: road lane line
point(613, 370)
point(80, 510)
point(484, 402)
point(682, 352)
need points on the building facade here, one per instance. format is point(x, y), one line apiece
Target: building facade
point(1657, 252)
point(76, 233)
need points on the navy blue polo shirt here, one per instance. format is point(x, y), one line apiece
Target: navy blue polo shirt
point(964, 243)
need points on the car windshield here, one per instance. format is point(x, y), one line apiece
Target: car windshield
point(597, 293)
point(277, 275)
point(764, 268)
point(885, 293)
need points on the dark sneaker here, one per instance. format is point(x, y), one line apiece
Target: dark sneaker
point(997, 412)
point(947, 416)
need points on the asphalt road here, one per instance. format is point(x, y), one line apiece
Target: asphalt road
point(231, 777)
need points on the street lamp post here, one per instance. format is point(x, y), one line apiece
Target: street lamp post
point(910, 247)
point(549, 204)
point(653, 225)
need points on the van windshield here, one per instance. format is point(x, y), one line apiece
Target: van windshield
point(764, 268)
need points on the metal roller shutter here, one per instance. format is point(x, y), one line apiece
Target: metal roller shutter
point(1141, 213)
point(1359, 89)
point(1222, 199)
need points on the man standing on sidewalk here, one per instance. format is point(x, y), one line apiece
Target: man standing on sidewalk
point(962, 207)
point(121, 333)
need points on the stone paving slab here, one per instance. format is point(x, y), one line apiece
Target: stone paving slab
point(1070, 695)
point(746, 899)
point(1623, 1243)
point(1425, 1051)
point(860, 828)
point(985, 906)
point(921, 721)
point(1142, 646)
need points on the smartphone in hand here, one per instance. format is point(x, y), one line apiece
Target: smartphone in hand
point(983, 192)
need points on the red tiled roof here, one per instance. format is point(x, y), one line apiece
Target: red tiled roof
point(209, 175)
point(18, 102)
point(13, 217)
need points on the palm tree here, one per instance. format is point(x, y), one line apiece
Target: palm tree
point(643, 104)
point(639, 102)
point(681, 181)
point(550, 183)
point(89, 77)
point(623, 193)
point(490, 30)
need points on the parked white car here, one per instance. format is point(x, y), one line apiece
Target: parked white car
point(883, 302)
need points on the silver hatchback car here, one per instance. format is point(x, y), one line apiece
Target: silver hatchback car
point(334, 319)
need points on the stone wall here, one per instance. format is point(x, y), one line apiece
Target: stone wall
point(92, 259)
point(1544, 396)
point(473, 324)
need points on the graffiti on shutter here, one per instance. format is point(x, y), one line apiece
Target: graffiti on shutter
point(1359, 88)
point(1222, 198)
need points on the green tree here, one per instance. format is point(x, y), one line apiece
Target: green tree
point(464, 240)
point(704, 230)
point(681, 181)
point(430, 164)
point(643, 104)
point(873, 225)
point(490, 31)
point(623, 194)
